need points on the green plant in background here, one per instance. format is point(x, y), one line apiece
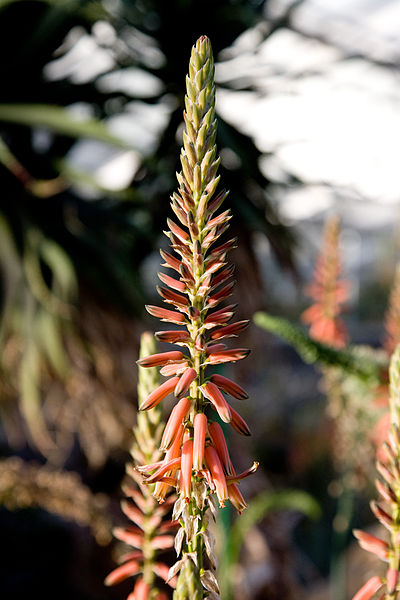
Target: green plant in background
point(262, 505)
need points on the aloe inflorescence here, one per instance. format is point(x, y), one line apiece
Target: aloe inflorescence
point(150, 532)
point(387, 508)
point(196, 460)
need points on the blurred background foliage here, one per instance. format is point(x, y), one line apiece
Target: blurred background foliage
point(81, 83)
point(90, 130)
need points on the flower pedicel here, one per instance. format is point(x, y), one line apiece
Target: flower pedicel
point(196, 459)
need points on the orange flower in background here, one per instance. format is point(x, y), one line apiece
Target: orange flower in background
point(328, 292)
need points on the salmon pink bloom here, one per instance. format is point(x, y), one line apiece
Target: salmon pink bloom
point(159, 360)
point(235, 496)
point(141, 590)
point(169, 316)
point(186, 468)
point(173, 337)
point(174, 423)
point(369, 589)
point(236, 477)
point(199, 440)
point(128, 569)
point(185, 382)
point(159, 393)
point(392, 576)
point(238, 423)
point(231, 330)
point(213, 394)
point(223, 356)
point(217, 473)
point(219, 443)
point(175, 284)
point(372, 544)
point(229, 387)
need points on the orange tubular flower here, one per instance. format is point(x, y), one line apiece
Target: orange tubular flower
point(198, 285)
point(199, 440)
point(369, 589)
point(217, 473)
point(328, 292)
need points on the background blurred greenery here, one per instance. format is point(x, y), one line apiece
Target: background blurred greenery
point(91, 102)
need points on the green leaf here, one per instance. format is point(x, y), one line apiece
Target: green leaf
point(30, 402)
point(65, 283)
point(48, 335)
point(263, 504)
point(58, 119)
point(314, 352)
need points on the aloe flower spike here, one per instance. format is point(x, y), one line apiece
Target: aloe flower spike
point(196, 459)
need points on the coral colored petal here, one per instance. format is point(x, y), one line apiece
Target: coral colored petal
point(372, 544)
point(133, 513)
point(199, 440)
point(162, 542)
point(169, 316)
point(174, 368)
point(236, 498)
point(159, 393)
point(219, 442)
point(224, 356)
point(160, 359)
point(238, 423)
point(141, 590)
point(217, 474)
point(172, 337)
point(167, 465)
point(229, 387)
point(212, 393)
point(369, 589)
point(121, 573)
point(186, 468)
point(172, 283)
point(185, 382)
point(237, 477)
point(134, 539)
point(174, 422)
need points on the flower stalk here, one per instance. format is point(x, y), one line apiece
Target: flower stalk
point(196, 459)
point(150, 533)
point(387, 508)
